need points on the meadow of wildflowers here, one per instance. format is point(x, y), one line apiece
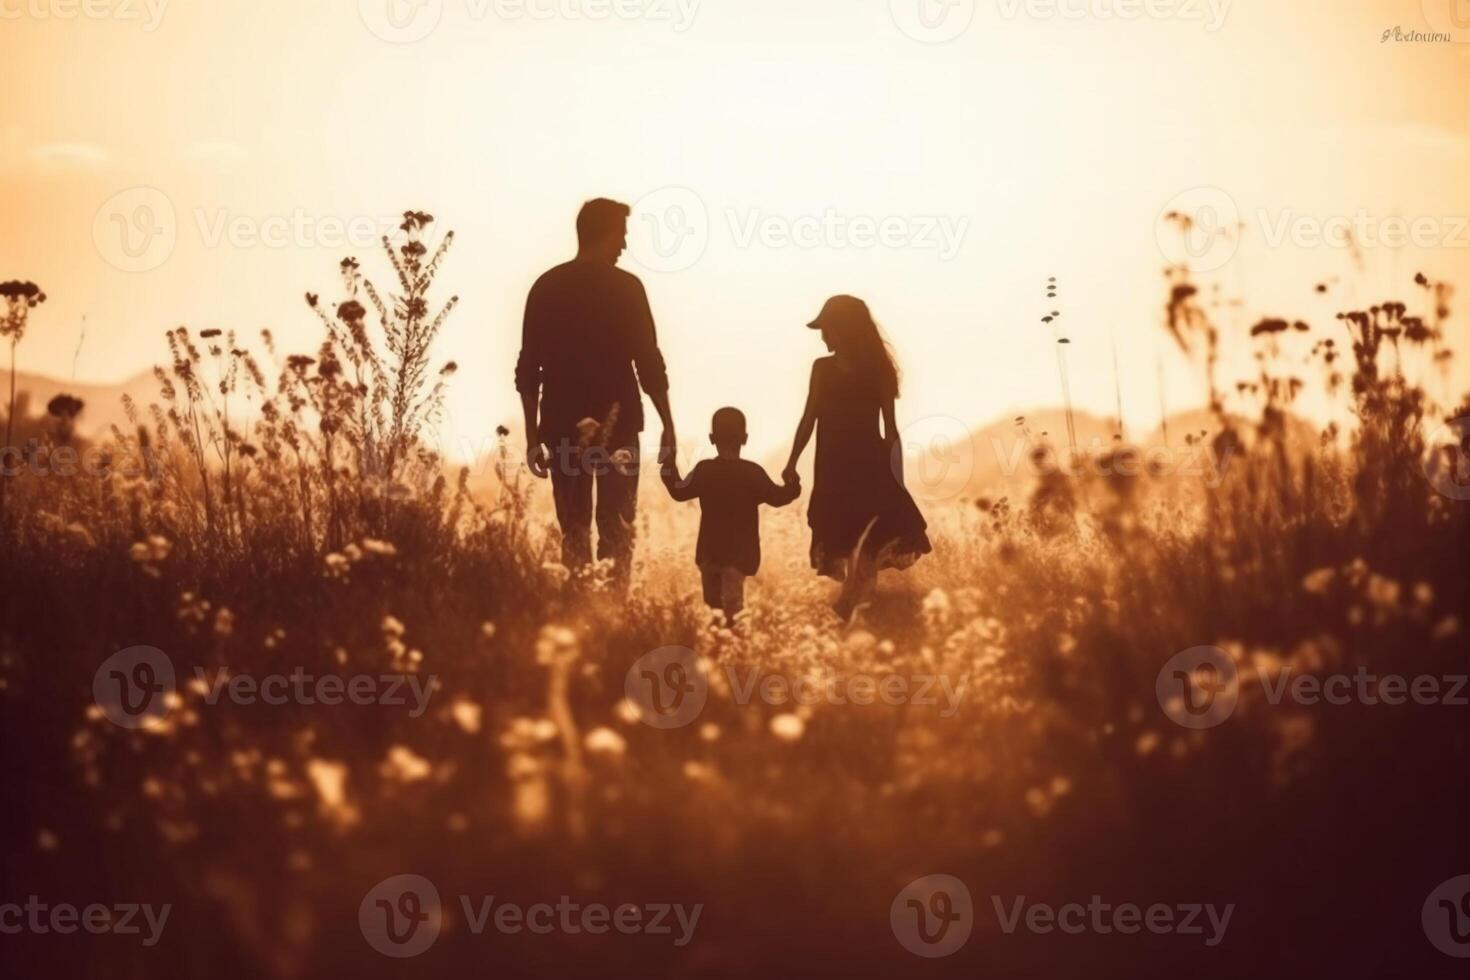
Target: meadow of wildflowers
point(377, 672)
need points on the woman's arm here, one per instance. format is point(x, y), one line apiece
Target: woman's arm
point(804, 429)
point(892, 440)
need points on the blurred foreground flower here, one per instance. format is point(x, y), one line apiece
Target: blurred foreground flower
point(605, 742)
point(466, 715)
point(403, 766)
point(330, 780)
point(555, 644)
point(788, 727)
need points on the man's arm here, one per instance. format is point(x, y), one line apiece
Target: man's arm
point(528, 382)
point(653, 375)
point(535, 449)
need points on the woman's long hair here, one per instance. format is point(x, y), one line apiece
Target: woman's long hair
point(857, 340)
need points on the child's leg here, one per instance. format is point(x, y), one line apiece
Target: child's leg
point(712, 581)
point(732, 592)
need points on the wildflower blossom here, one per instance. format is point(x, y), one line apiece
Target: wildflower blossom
point(788, 727)
point(1319, 581)
point(556, 643)
point(404, 765)
point(466, 714)
point(605, 742)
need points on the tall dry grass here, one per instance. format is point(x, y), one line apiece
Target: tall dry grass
point(259, 524)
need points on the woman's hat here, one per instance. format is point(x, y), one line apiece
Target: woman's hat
point(841, 309)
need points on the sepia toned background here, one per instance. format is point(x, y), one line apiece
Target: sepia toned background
point(206, 164)
point(1217, 667)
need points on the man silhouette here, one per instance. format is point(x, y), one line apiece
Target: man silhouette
point(587, 327)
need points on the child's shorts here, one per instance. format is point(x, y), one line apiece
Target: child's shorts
point(724, 588)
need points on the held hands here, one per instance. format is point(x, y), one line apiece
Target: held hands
point(538, 460)
point(790, 489)
point(668, 453)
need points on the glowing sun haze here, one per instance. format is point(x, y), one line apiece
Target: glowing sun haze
point(782, 151)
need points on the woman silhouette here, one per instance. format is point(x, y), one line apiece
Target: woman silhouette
point(862, 518)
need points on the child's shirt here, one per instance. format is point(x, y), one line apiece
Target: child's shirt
point(730, 492)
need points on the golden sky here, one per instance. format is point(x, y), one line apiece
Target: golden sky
point(940, 158)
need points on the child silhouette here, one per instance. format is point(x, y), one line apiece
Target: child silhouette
point(730, 491)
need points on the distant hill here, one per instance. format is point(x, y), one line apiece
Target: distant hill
point(1002, 448)
point(943, 462)
point(1301, 436)
point(995, 460)
point(102, 405)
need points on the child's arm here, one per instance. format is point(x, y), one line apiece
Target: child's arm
point(778, 495)
point(679, 488)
